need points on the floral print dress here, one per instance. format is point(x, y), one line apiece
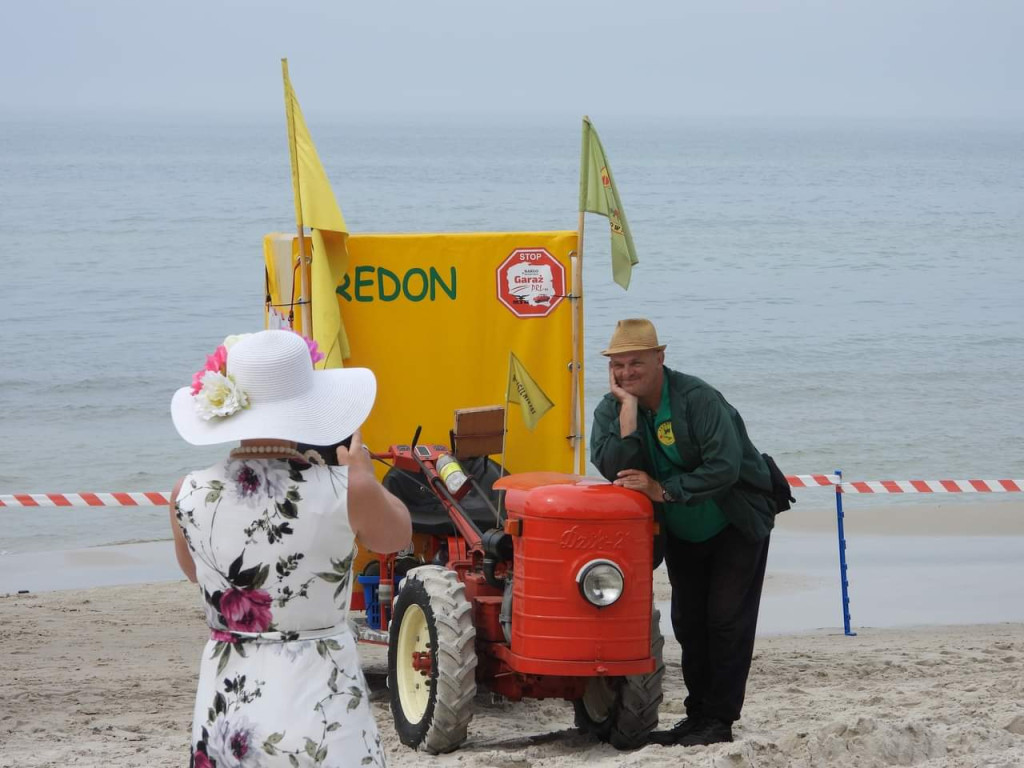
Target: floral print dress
point(280, 682)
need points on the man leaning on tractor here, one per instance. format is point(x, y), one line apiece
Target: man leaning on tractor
point(675, 439)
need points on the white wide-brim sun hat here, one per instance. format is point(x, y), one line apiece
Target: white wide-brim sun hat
point(288, 399)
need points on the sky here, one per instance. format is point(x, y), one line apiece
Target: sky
point(846, 58)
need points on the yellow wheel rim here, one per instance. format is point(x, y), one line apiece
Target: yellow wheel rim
point(413, 685)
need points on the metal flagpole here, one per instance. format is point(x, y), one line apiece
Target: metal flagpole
point(576, 299)
point(575, 423)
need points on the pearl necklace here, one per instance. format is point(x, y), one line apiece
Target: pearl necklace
point(269, 452)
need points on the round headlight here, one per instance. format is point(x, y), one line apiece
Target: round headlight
point(600, 582)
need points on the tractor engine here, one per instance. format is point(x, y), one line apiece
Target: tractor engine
point(582, 586)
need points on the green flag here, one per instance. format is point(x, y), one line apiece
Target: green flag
point(598, 195)
point(524, 390)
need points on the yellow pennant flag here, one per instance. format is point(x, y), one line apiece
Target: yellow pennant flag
point(315, 207)
point(522, 389)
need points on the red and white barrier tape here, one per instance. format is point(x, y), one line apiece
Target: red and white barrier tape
point(145, 499)
point(811, 481)
point(154, 499)
point(934, 486)
point(908, 486)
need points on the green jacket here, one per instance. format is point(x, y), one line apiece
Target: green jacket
point(720, 461)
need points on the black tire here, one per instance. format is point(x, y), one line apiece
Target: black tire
point(624, 710)
point(432, 617)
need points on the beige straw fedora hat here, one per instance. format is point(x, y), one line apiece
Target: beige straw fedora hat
point(277, 394)
point(635, 334)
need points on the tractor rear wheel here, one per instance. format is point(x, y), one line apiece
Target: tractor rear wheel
point(624, 710)
point(432, 660)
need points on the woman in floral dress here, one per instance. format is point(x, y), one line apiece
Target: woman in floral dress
point(270, 539)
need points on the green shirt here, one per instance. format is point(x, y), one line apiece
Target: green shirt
point(695, 522)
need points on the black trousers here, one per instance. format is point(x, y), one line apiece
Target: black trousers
point(716, 592)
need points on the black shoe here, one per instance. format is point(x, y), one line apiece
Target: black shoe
point(672, 736)
point(709, 731)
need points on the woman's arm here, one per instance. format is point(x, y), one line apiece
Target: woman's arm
point(181, 552)
point(378, 517)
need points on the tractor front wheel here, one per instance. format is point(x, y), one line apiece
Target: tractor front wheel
point(432, 660)
point(624, 710)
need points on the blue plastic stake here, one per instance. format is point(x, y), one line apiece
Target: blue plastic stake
point(842, 557)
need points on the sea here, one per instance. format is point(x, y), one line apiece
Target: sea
point(853, 287)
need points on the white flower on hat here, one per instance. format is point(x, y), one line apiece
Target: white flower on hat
point(219, 396)
point(230, 341)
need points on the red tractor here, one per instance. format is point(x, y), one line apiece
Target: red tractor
point(549, 597)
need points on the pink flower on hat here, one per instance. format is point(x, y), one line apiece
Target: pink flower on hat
point(217, 362)
point(314, 350)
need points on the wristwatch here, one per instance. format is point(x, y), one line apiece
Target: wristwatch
point(666, 496)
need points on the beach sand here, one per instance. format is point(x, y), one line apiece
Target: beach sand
point(106, 676)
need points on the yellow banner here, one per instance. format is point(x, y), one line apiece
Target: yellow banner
point(436, 316)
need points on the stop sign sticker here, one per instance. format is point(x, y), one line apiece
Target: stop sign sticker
point(531, 282)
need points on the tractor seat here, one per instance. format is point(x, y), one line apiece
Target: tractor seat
point(428, 514)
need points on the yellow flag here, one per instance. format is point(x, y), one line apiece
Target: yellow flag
point(316, 207)
point(522, 389)
point(330, 260)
